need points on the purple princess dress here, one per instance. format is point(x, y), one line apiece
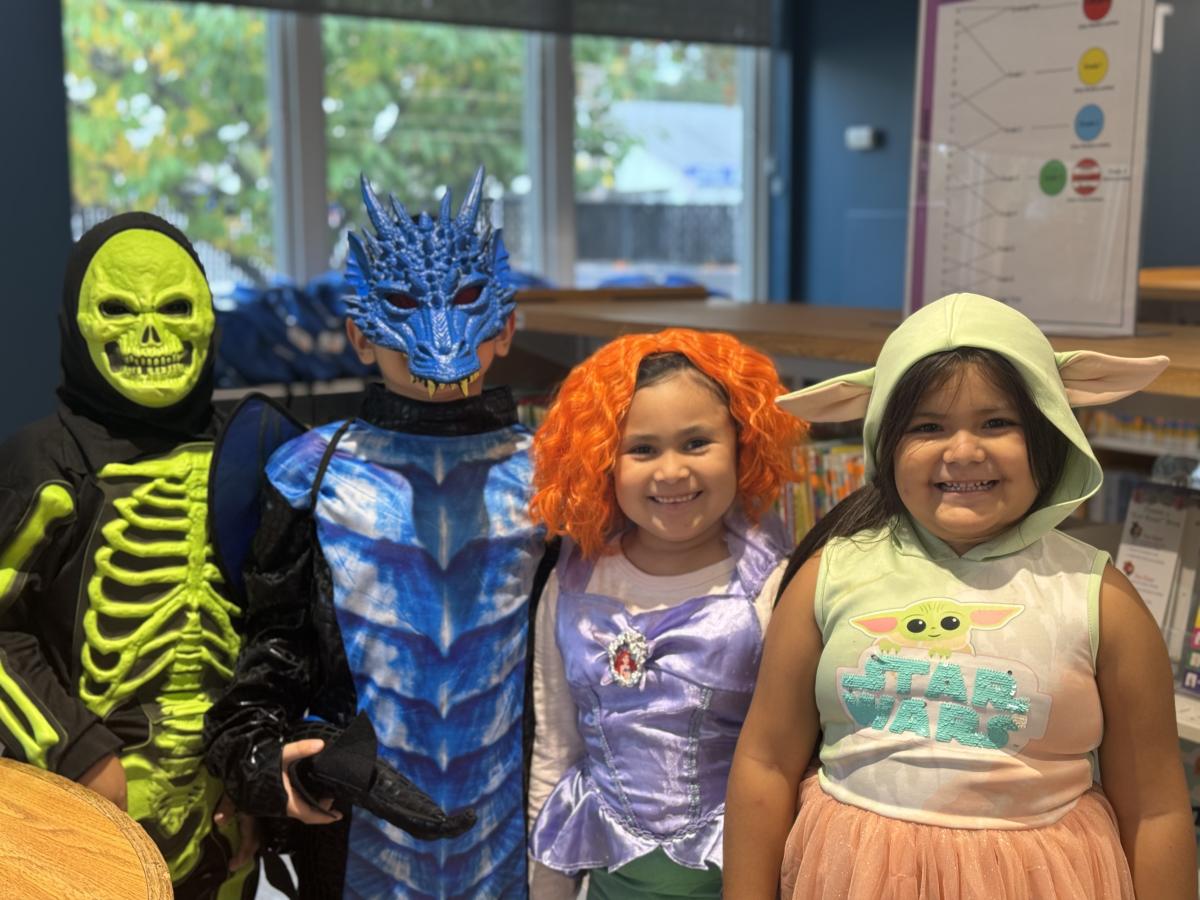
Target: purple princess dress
point(661, 697)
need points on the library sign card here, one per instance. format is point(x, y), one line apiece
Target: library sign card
point(1151, 543)
point(1029, 144)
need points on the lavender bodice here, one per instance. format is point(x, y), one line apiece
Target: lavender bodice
point(661, 697)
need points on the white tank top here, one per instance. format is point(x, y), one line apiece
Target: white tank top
point(957, 692)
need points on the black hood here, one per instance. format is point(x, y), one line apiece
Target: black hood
point(84, 391)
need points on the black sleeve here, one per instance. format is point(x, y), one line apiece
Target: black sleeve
point(44, 725)
point(277, 669)
point(41, 722)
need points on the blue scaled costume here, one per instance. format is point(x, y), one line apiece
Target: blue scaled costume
point(390, 576)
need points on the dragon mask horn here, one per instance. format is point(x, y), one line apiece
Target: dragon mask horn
point(375, 211)
point(469, 211)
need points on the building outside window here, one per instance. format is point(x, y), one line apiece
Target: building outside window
point(658, 163)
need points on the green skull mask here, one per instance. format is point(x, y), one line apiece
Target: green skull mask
point(145, 311)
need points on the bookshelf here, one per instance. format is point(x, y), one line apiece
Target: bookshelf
point(848, 336)
point(1140, 448)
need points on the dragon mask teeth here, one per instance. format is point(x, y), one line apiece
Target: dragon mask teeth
point(463, 384)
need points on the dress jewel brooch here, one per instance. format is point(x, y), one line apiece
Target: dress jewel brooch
point(627, 654)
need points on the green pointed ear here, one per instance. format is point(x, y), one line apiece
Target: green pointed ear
point(840, 399)
point(1092, 378)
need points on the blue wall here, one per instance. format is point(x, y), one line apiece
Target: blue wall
point(857, 65)
point(1171, 218)
point(35, 232)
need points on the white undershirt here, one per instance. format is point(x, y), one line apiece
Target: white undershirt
point(557, 744)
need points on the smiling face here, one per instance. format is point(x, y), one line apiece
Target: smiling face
point(145, 311)
point(676, 474)
point(962, 466)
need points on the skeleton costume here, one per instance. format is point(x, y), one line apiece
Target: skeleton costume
point(115, 633)
point(390, 578)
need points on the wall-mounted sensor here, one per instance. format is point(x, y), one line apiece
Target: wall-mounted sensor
point(863, 137)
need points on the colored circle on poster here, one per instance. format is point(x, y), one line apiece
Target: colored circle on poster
point(1053, 177)
point(1085, 177)
point(1093, 66)
point(1089, 122)
point(1096, 9)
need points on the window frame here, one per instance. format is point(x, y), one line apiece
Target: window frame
point(295, 74)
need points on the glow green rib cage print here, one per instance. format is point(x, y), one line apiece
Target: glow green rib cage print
point(158, 633)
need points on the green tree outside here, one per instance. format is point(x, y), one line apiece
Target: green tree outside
point(168, 112)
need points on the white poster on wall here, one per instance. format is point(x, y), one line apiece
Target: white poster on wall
point(1029, 146)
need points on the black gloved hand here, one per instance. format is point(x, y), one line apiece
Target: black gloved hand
point(349, 771)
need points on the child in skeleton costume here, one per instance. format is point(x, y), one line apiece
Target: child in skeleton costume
point(115, 631)
point(961, 659)
point(390, 576)
point(659, 454)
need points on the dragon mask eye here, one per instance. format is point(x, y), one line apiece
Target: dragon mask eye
point(468, 295)
point(400, 300)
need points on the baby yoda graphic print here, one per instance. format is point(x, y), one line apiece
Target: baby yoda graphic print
point(923, 680)
point(939, 625)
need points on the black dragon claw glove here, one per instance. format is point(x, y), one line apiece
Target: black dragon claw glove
point(349, 771)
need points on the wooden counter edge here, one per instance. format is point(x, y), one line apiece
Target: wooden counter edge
point(154, 868)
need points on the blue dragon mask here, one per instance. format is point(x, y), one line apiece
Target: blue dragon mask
point(434, 289)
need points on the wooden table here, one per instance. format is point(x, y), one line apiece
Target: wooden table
point(60, 841)
point(837, 333)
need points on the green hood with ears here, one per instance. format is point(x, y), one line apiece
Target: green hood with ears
point(1056, 381)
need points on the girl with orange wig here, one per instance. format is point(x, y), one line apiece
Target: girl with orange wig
point(658, 463)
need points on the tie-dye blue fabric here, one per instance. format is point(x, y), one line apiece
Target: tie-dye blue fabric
point(432, 555)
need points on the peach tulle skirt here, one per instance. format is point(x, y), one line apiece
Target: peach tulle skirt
point(840, 852)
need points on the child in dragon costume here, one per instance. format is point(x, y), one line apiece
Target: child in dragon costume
point(390, 575)
point(115, 632)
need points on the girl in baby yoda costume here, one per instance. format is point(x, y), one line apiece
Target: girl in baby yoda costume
point(960, 658)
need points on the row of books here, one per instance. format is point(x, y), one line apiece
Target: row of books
point(1162, 434)
point(1111, 502)
point(830, 471)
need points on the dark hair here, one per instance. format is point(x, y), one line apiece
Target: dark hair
point(878, 502)
point(658, 367)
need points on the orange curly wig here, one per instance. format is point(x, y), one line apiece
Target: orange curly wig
point(575, 448)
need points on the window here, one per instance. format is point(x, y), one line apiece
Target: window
point(417, 108)
point(168, 113)
point(659, 135)
point(198, 111)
